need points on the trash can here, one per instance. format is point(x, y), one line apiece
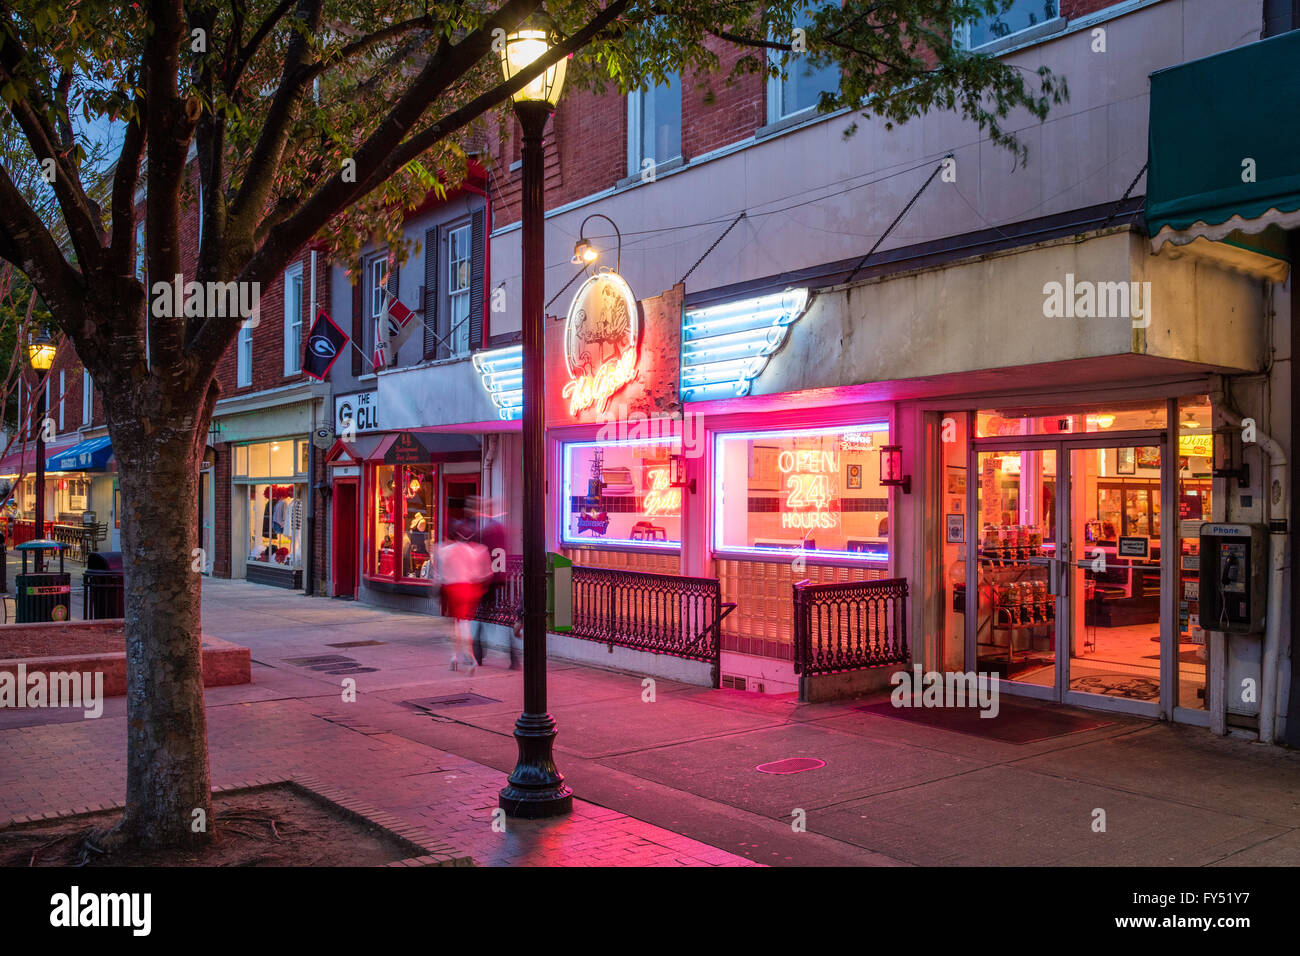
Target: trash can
point(43, 596)
point(102, 593)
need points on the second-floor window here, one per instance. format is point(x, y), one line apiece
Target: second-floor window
point(293, 320)
point(244, 357)
point(376, 277)
point(459, 255)
point(1020, 15)
point(63, 380)
point(802, 86)
point(87, 398)
point(654, 125)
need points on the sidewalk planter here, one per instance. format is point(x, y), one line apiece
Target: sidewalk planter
point(79, 646)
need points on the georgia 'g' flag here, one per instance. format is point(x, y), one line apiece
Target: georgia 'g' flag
point(325, 342)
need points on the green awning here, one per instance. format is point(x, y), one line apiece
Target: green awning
point(1208, 117)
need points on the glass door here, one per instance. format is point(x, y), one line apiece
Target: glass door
point(1011, 567)
point(1112, 621)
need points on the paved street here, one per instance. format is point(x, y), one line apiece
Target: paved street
point(673, 782)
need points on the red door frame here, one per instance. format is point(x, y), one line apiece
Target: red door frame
point(346, 526)
point(456, 477)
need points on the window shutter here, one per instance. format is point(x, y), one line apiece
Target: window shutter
point(431, 248)
point(478, 254)
point(358, 328)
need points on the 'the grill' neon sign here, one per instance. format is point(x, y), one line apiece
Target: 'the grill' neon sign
point(601, 342)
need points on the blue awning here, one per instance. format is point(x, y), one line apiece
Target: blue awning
point(90, 455)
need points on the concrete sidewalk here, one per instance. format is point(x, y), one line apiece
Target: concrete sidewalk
point(673, 781)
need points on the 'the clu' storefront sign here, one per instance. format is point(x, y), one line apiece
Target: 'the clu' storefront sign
point(602, 343)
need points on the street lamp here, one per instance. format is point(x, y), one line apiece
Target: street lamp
point(40, 352)
point(536, 787)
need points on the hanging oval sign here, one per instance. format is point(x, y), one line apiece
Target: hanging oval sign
point(601, 341)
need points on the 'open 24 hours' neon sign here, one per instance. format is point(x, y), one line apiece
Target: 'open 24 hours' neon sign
point(601, 342)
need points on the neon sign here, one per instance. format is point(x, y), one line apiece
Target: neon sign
point(602, 338)
point(810, 493)
point(662, 499)
point(595, 390)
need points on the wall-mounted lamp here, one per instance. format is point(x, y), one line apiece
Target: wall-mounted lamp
point(677, 474)
point(1228, 461)
point(891, 468)
point(585, 254)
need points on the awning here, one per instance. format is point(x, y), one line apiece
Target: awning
point(412, 447)
point(22, 459)
point(1224, 152)
point(90, 455)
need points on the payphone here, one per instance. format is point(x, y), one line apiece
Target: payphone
point(1234, 577)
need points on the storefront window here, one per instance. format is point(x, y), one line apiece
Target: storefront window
point(809, 490)
point(404, 529)
point(271, 479)
point(619, 493)
point(1078, 419)
point(275, 523)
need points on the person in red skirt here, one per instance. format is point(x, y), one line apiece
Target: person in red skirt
point(465, 570)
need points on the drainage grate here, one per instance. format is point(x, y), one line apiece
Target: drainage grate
point(331, 664)
point(791, 765)
point(356, 644)
point(450, 700)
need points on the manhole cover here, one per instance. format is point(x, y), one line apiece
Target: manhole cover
point(451, 700)
point(791, 765)
point(356, 644)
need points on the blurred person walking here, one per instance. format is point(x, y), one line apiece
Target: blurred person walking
point(492, 536)
point(465, 570)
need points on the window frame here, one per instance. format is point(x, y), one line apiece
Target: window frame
point(454, 337)
point(636, 114)
point(961, 34)
point(776, 86)
point(613, 544)
point(87, 397)
point(877, 424)
point(293, 319)
point(370, 556)
point(63, 392)
point(243, 366)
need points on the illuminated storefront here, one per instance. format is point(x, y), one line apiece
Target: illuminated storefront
point(270, 485)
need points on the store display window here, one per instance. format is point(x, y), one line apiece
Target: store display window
point(788, 492)
point(403, 522)
point(275, 524)
point(620, 493)
point(271, 477)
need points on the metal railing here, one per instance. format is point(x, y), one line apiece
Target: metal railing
point(501, 605)
point(845, 627)
point(659, 613)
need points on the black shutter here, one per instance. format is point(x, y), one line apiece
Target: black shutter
point(358, 328)
point(478, 253)
point(431, 293)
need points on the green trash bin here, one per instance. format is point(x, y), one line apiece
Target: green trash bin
point(46, 595)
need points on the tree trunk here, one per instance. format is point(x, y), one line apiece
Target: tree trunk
point(168, 791)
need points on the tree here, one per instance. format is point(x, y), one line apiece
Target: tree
point(321, 120)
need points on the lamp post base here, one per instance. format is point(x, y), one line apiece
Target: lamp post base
point(536, 789)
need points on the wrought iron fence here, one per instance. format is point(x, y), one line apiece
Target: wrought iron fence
point(502, 602)
point(844, 627)
point(659, 613)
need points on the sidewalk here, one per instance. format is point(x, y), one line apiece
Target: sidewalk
point(673, 781)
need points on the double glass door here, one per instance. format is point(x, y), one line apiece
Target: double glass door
point(1068, 570)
